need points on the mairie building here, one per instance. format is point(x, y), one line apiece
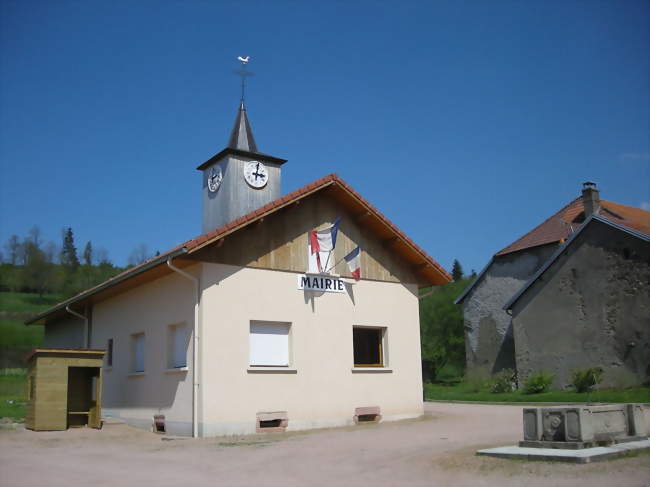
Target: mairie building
point(237, 332)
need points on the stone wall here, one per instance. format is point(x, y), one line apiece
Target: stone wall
point(590, 309)
point(489, 341)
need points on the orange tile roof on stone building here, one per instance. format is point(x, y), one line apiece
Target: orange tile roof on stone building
point(560, 226)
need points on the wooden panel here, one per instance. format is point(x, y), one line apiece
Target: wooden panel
point(280, 242)
point(49, 403)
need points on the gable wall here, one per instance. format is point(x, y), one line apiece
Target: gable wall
point(280, 242)
point(591, 309)
point(489, 342)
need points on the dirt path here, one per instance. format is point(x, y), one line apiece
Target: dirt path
point(437, 450)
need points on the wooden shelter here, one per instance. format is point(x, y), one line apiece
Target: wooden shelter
point(63, 388)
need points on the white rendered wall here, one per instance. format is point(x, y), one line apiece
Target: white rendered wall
point(150, 308)
point(323, 391)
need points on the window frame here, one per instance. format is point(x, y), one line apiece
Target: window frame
point(382, 343)
point(110, 345)
point(172, 334)
point(134, 352)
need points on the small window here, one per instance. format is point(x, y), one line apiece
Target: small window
point(368, 347)
point(269, 344)
point(137, 356)
point(177, 346)
point(109, 353)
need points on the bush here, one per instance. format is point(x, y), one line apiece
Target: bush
point(504, 381)
point(586, 380)
point(537, 383)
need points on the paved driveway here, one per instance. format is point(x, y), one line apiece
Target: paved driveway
point(436, 450)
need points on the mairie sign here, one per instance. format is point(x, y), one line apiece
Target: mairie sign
point(319, 282)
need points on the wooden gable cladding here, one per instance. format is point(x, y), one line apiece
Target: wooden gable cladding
point(279, 241)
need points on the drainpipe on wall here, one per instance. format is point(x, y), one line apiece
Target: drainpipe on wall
point(195, 345)
point(74, 313)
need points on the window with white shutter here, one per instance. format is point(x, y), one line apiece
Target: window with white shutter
point(269, 344)
point(137, 342)
point(178, 336)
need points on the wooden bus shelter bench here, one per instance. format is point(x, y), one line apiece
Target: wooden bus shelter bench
point(64, 388)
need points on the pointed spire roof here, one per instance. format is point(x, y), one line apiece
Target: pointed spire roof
point(241, 137)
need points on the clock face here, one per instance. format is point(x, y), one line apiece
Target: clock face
point(255, 174)
point(214, 179)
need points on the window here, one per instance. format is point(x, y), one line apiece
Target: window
point(177, 341)
point(269, 344)
point(368, 346)
point(137, 355)
point(109, 353)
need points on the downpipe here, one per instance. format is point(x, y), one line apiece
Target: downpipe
point(78, 315)
point(195, 345)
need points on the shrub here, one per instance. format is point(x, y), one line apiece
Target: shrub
point(504, 381)
point(538, 383)
point(586, 380)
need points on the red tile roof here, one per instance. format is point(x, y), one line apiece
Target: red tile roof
point(566, 221)
point(201, 241)
point(206, 239)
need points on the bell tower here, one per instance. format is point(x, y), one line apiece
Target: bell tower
point(239, 179)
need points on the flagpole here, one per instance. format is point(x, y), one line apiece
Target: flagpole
point(340, 260)
point(328, 259)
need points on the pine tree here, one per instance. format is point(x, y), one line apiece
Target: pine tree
point(456, 271)
point(88, 254)
point(69, 257)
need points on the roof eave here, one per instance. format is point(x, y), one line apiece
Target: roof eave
point(243, 153)
point(105, 285)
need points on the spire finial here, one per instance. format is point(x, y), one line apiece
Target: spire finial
point(243, 73)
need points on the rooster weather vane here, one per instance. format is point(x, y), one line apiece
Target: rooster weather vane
point(243, 73)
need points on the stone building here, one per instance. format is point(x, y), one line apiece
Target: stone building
point(588, 306)
point(490, 337)
point(237, 330)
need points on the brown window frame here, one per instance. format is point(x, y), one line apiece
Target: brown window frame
point(377, 329)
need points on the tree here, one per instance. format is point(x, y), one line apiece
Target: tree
point(88, 254)
point(101, 256)
point(139, 255)
point(441, 329)
point(39, 275)
point(456, 271)
point(69, 257)
point(14, 250)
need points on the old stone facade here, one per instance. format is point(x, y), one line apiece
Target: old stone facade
point(489, 340)
point(492, 340)
point(590, 307)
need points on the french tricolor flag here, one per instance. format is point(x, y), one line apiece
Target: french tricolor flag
point(354, 263)
point(324, 240)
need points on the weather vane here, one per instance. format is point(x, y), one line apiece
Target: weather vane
point(243, 73)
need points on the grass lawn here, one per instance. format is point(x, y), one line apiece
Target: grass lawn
point(13, 333)
point(15, 308)
point(465, 392)
point(12, 394)
point(27, 303)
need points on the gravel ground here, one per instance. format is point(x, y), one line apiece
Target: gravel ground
point(435, 450)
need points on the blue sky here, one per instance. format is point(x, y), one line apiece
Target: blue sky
point(465, 122)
